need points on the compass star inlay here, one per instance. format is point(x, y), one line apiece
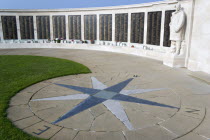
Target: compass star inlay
point(109, 96)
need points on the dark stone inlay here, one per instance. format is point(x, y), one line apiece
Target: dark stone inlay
point(90, 27)
point(154, 28)
point(42, 131)
point(166, 41)
point(74, 26)
point(99, 96)
point(43, 27)
point(26, 27)
point(106, 27)
point(121, 27)
point(9, 27)
point(59, 27)
point(137, 28)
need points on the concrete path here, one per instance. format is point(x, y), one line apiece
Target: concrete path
point(124, 98)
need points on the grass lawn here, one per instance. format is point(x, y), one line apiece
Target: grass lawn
point(19, 72)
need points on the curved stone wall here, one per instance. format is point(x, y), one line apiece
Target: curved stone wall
point(138, 25)
point(141, 29)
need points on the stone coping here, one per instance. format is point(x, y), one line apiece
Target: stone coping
point(92, 8)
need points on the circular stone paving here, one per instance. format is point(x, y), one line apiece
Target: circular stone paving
point(117, 101)
point(79, 107)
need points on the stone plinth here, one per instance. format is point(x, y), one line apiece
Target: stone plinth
point(174, 61)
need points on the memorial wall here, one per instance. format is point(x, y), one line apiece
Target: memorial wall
point(90, 28)
point(43, 27)
point(137, 28)
point(74, 27)
point(138, 24)
point(145, 28)
point(59, 27)
point(9, 27)
point(106, 27)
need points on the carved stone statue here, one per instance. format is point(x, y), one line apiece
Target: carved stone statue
point(177, 28)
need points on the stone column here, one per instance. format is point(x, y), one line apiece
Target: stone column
point(162, 28)
point(1, 31)
point(51, 27)
point(113, 28)
point(67, 27)
point(129, 28)
point(18, 27)
point(98, 28)
point(145, 27)
point(35, 27)
point(82, 28)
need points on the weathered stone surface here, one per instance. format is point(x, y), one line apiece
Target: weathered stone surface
point(65, 134)
point(43, 130)
point(181, 90)
point(82, 135)
point(36, 87)
point(151, 133)
point(107, 122)
point(22, 124)
point(192, 136)
point(180, 124)
point(19, 112)
point(97, 110)
point(201, 76)
point(21, 98)
point(141, 119)
point(203, 129)
point(81, 121)
point(192, 111)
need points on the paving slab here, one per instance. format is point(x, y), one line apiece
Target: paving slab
point(73, 107)
point(201, 76)
point(43, 130)
point(21, 98)
point(192, 136)
point(27, 122)
point(82, 135)
point(36, 87)
point(203, 129)
point(107, 122)
point(65, 134)
point(150, 133)
point(180, 124)
point(15, 113)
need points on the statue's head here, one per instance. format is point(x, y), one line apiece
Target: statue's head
point(178, 7)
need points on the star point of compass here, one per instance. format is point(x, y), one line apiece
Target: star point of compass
point(109, 96)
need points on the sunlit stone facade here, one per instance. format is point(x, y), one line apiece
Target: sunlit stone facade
point(141, 29)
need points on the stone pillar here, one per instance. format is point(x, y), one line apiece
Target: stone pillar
point(98, 28)
point(145, 27)
point(35, 27)
point(1, 31)
point(51, 27)
point(162, 28)
point(113, 28)
point(18, 27)
point(67, 27)
point(82, 28)
point(129, 29)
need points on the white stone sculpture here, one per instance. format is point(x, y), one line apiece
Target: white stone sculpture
point(177, 29)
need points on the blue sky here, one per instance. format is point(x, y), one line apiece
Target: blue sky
point(57, 4)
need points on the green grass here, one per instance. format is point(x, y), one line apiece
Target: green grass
point(19, 72)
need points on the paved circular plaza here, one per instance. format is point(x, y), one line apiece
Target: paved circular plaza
point(124, 98)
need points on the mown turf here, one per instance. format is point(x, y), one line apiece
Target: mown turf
point(19, 72)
